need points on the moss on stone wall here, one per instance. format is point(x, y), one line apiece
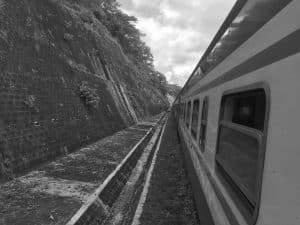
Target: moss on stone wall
point(48, 49)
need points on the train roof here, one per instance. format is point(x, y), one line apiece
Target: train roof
point(245, 18)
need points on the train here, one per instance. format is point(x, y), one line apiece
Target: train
point(238, 118)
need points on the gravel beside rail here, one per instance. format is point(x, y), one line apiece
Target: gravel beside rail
point(170, 199)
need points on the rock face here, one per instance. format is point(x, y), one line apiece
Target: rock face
point(64, 82)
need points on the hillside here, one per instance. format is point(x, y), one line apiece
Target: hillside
point(65, 81)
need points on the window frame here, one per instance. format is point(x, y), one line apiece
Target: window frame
point(261, 136)
point(188, 114)
point(195, 135)
point(251, 133)
point(203, 122)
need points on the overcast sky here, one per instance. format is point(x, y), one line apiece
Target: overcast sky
point(178, 31)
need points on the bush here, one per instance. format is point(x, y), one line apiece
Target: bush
point(89, 95)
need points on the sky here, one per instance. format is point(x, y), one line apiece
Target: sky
point(177, 31)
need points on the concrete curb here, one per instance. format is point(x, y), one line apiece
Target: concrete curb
point(142, 200)
point(96, 209)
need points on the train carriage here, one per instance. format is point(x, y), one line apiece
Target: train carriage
point(238, 118)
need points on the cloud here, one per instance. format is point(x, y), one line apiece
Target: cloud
point(178, 32)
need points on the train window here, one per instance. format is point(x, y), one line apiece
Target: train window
point(195, 116)
point(239, 146)
point(188, 114)
point(203, 124)
point(247, 109)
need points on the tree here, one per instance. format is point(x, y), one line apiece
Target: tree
point(122, 27)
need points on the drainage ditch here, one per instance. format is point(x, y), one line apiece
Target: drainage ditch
point(116, 200)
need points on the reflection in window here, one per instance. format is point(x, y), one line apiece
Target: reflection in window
point(247, 109)
point(195, 116)
point(203, 124)
point(238, 152)
point(239, 143)
point(188, 114)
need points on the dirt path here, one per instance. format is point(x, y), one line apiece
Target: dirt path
point(169, 200)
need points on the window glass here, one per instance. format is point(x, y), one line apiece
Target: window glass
point(205, 110)
point(240, 142)
point(247, 109)
point(203, 124)
point(239, 155)
point(195, 117)
point(188, 114)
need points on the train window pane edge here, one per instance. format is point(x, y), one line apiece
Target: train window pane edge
point(240, 143)
point(203, 124)
point(195, 118)
point(188, 114)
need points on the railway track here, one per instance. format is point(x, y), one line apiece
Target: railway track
point(118, 199)
point(80, 186)
point(105, 183)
